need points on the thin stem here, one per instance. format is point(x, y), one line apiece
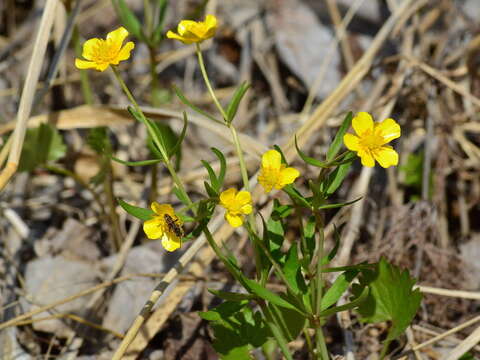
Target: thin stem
point(241, 159)
point(321, 348)
point(308, 340)
point(84, 80)
point(114, 222)
point(208, 84)
point(126, 90)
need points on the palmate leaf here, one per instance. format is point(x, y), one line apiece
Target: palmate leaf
point(237, 329)
point(391, 297)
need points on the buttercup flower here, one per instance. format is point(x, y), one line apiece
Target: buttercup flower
point(274, 174)
point(194, 31)
point(237, 205)
point(103, 53)
point(165, 225)
point(369, 143)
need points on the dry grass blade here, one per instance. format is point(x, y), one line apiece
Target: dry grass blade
point(26, 101)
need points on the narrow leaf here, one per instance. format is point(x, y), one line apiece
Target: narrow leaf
point(187, 102)
point(308, 159)
point(136, 163)
point(231, 296)
point(138, 212)
point(338, 141)
point(128, 19)
point(338, 288)
point(211, 174)
point(223, 166)
point(351, 305)
point(236, 98)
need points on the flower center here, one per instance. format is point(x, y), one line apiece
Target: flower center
point(370, 140)
point(105, 51)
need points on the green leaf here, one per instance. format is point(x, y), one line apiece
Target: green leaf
point(157, 33)
point(391, 297)
point(296, 196)
point(223, 166)
point(336, 177)
point(334, 206)
point(210, 190)
point(211, 174)
point(237, 329)
point(128, 19)
point(98, 140)
point(361, 298)
point(284, 159)
point(274, 234)
point(268, 295)
point(308, 159)
point(236, 98)
point(329, 257)
point(180, 196)
point(338, 288)
point(293, 270)
point(136, 163)
point(41, 145)
point(338, 141)
point(292, 324)
point(187, 102)
point(309, 234)
point(176, 149)
point(138, 212)
point(231, 296)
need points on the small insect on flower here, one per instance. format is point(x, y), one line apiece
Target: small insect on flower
point(100, 54)
point(164, 225)
point(190, 32)
point(173, 226)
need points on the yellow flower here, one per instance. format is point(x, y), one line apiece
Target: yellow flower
point(237, 205)
point(165, 225)
point(274, 174)
point(194, 31)
point(103, 53)
point(369, 143)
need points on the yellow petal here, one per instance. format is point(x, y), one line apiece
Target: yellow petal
point(271, 159)
point(82, 64)
point(367, 158)
point(234, 220)
point(287, 176)
point(228, 197)
point(211, 21)
point(351, 141)
point(162, 209)
point(185, 25)
point(246, 209)
point(388, 129)
point(153, 228)
point(102, 66)
point(91, 48)
point(265, 182)
point(386, 156)
point(362, 122)
point(243, 198)
point(172, 35)
point(118, 36)
point(124, 52)
point(171, 243)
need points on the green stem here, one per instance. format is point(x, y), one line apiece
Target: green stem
point(147, 11)
point(114, 222)
point(84, 80)
point(308, 341)
point(208, 84)
point(241, 159)
point(276, 331)
point(319, 338)
point(321, 350)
